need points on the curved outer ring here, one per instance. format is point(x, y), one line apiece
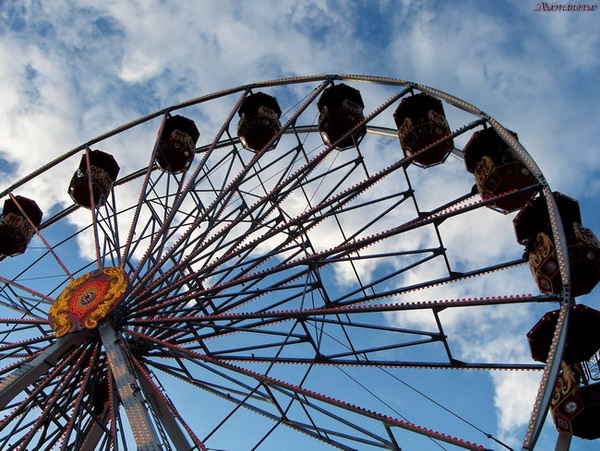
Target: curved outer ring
point(556, 351)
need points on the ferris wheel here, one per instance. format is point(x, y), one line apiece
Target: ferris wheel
point(292, 264)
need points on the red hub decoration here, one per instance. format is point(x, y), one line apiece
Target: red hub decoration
point(87, 299)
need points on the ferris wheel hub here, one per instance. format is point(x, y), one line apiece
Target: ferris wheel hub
point(88, 299)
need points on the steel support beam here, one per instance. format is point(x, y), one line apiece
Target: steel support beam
point(142, 427)
point(28, 373)
point(563, 443)
point(162, 411)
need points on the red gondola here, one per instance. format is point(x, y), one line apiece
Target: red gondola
point(177, 144)
point(533, 229)
point(104, 170)
point(496, 170)
point(421, 122)
point(259, 120)
point(15, 229)
point(340, 110)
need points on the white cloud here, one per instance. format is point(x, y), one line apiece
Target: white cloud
point(514, 398)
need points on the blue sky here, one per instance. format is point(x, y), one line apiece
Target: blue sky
point(70, 71)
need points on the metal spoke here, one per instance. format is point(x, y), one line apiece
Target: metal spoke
point(303, 395)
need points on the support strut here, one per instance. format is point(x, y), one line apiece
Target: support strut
point(142, 427)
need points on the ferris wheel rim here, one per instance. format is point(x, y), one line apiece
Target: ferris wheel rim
point(514, 145)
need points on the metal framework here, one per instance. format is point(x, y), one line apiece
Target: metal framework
point(296, 254)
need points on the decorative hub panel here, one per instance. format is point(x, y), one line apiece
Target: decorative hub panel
point(87, 299)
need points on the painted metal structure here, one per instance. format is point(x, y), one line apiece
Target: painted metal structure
point(228, 281)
